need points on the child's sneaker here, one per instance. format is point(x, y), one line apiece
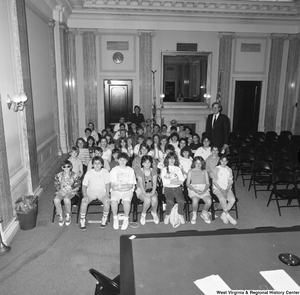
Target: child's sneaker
point(116, 222)
point(167, 219)
point(143, 219)
point(181, 219)
point(205, 217)
point(194, 218)
point(60, 220)
point(224, 218)
point(125, 223)
point(103, 222)
point(230, 219)
point(82, 224)
point(155, 217)
point(68, 220)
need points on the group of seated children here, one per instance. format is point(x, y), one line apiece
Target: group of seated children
point(113, 174)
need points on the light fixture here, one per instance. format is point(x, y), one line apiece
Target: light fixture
point(17, 102)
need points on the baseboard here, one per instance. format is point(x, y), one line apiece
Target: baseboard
point(10, 231)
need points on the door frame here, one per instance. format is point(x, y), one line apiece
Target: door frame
point(263, 99)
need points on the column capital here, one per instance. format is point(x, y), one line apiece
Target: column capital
point(74, 32)
point(139, 33)
point(294, 36)
point(226, 34)
point(51, 23)
point(279, 36)
point(64, 27)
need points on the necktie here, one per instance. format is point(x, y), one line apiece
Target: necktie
point(214, 121)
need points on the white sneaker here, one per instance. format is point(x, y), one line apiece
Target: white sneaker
point(230, 219)
point(205, 217)
point(116, 222)
point(194, 218)
point(143, 219)
point(68, 220)
point(224, 218)
point(103, 222)
point(181, 218)
point(60, 220)
point(82, 224)
point(125, 223)
point(155, 217)
point(167, 219)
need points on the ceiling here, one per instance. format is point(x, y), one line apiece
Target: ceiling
point(235, 11)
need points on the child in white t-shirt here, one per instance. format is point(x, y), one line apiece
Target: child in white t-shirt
point(95, 185)
point(123, 181)
point(222, 188)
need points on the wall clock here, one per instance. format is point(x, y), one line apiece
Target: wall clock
point(118, 57)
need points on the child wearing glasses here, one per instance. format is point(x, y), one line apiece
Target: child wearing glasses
point(95, 185)
point(67, 183)
point(123, 181)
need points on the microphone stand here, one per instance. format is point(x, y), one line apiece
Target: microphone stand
point(3, 248)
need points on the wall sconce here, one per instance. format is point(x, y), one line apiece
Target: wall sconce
point(18, 102)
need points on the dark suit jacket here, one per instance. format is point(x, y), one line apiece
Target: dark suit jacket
point(220, 134)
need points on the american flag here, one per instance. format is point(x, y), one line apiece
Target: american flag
point(219, 93)
point(154, 99)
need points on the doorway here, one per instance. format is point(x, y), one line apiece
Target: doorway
point(117, 100)
point(246, 106)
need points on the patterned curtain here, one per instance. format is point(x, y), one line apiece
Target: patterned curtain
point(290, 83)
point(145, 61)
point(225, 50)
point(274, 81)
point(90, 76)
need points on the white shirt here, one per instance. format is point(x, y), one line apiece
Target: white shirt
point(202, 152)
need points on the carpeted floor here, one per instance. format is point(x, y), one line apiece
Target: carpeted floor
point(56, 260)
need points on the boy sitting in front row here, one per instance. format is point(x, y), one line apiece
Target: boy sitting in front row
point(123, 181)
point(222, 184)
point(95, 185)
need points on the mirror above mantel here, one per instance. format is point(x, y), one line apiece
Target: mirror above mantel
point(186, 77)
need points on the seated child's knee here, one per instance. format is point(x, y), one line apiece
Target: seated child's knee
point(85, 200)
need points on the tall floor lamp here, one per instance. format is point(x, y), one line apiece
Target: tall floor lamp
point(3, 248)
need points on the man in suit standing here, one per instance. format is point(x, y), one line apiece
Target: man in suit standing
point(218, 128)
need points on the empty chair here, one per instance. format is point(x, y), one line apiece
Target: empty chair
point(295, 166)
point(284, 140)
point(279, 148)
point(295, 139)
point(281, 156)
point(239, 143)
point(261, 176)
point(233, 157)
point(247, 149)
point(261, 148)
point(265, 156)
point(271, 135)
point(284, 189)
point(104, 285)
point(281, 165)
point(259, 136)
point(245, 166)
point(286, 133)
point(233, 136)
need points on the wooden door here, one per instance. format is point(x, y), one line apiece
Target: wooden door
point(117, 100)
point(246, 106)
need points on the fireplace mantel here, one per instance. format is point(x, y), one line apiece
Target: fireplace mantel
point(184, 113)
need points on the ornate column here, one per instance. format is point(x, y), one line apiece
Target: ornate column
point(145, 74)
point(90, 76)
point(58, 39)
point(51, 24)
point(225, 50)
point(73, 85)
point(274, 80)
point(291, 82)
